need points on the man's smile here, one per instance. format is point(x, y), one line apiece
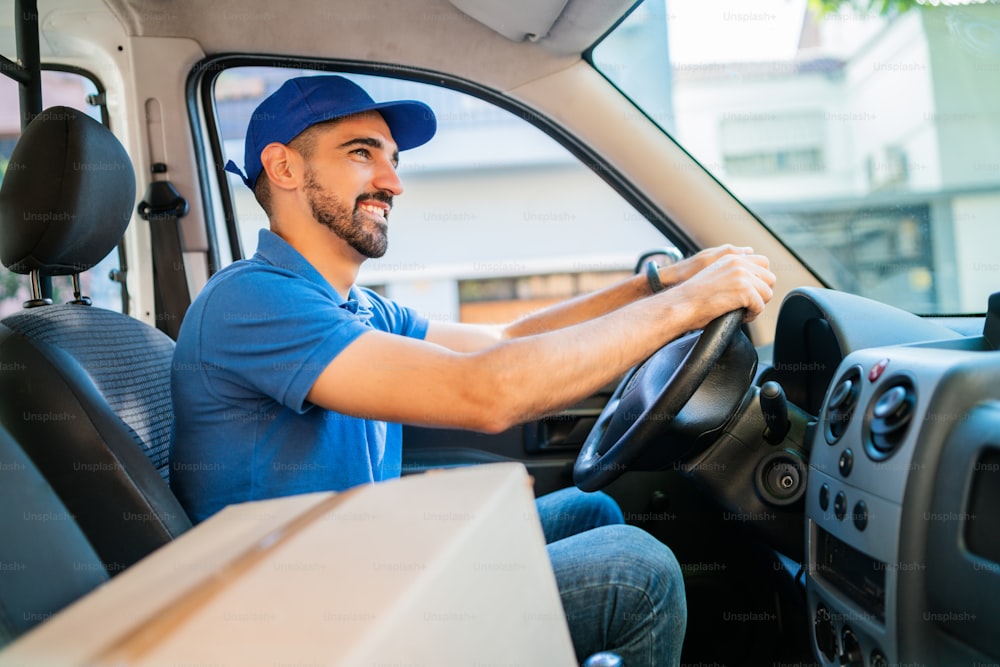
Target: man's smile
point(377, 209)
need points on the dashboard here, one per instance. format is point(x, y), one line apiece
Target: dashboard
point(902, 498)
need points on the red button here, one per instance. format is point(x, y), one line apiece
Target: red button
point(877, 370)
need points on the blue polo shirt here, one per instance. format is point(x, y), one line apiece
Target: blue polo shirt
point(251, 347)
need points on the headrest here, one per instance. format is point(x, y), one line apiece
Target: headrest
point(67, 196)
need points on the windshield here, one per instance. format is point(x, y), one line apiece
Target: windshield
point(868, 142)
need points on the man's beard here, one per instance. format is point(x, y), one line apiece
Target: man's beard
point(368, 237)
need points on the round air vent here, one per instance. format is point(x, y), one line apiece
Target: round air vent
point(889, 417)
point(840, 406)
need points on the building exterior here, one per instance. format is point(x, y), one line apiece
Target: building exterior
point(859, 146)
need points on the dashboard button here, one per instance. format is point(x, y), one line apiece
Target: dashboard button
point(860, 515)
point(846, 462)
point(840, 506)
point(877, 370)
point(824, 497)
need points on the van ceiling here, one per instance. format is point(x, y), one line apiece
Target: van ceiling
point(432, 34)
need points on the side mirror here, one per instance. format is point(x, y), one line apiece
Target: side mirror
point(662, 257)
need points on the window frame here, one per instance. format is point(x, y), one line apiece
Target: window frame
point(201, 86)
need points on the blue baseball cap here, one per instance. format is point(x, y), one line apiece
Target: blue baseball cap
point(302, 102)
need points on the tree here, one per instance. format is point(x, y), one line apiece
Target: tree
point(11, 286)
point(822, 7)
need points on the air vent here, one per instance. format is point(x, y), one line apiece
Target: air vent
point(840, 407)
point(889, 417)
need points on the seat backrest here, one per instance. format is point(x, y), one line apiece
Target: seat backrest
point(87, 390)
point(45, 561)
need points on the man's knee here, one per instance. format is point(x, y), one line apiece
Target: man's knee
point(619, 554)
point(622, 589)
point(650, 593)
point(637, 559)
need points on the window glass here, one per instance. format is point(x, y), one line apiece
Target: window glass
point(868, 142)
point(496, 219)
point(65, 89)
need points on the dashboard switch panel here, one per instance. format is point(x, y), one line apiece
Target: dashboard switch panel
point(890, 448)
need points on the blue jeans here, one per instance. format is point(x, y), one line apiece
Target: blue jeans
point(622, 590)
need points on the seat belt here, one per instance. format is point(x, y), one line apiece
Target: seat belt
point(163, 207)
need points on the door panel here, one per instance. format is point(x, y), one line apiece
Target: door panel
point(547, 447)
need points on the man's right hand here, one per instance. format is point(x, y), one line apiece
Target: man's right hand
point(730, 282)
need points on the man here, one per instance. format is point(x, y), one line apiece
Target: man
point(289, 378)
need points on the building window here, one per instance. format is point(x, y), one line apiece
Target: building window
point(768, 144)
point(495, 300)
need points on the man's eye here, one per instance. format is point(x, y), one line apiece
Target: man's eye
point(363, 152)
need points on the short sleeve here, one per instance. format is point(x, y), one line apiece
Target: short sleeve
point(394, 318)
point(270, 334)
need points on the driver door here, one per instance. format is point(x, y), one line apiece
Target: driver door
point(548, 447)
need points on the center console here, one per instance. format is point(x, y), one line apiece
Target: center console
point(903, 546)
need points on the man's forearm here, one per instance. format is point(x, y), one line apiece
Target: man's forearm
point(580, 309)
point(491, 387)
point(577, 359)
point(589, 306)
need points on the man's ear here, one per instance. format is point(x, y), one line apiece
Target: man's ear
point(283, 165)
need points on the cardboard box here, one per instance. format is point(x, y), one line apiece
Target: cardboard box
point(444, 568)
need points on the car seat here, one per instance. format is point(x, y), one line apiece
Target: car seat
point(47, 562)
point(85, 391)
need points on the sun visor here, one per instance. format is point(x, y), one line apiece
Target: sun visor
point(516, 21)
point(562, 27)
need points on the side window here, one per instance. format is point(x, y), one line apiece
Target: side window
point(79, 92)
point(497, 219)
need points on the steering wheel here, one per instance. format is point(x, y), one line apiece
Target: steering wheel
point(649, 401)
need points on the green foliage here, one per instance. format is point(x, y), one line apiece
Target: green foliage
point(9, 284)
point(884, 7)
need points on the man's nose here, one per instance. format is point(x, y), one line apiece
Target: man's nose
point(387, 179)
